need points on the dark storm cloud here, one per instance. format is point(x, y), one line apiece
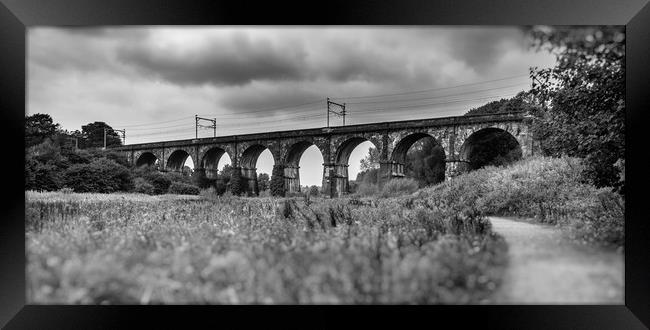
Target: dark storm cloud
point(482, 48)
point(80, 49)
point(233, 61)
point(237, 59)
point(270, 97)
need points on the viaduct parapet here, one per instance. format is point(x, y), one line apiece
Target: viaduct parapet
point(457, 136)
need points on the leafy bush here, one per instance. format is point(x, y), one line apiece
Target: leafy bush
point(209, 193)
point(179, 177)
point(398, 187)
point(159, 181)
point(367, 189)
point(265, 193)
point(101, 175)
point(183, 189)
point(202, 181)
point(143, 186)
point(39, 176)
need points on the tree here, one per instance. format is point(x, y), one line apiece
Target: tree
point(263, 181)
point(92, 136)
point(582, 97)
point(314, 190)
point(222, 183)
point(371, 161)
point(522, 102)
point(369, 176)
point(425, 162)
point(39, 127)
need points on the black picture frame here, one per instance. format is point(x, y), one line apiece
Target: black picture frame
point(18, 15)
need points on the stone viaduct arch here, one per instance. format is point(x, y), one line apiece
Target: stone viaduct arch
point(146, 159)
point(403, 143)
point(456, 136)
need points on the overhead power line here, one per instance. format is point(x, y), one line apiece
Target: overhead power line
point(439, 96)
point(287, 107)
point(427, 90)
point(435, 103)
point(160, 122)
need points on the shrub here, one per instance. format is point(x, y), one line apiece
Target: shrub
point(265, 193)
point(39, 176)
point(398, 187)
point(367, 189)
point(208, 193)
point(143, 186)
point(202, 181)
point(159, 181)
point(101, 175)
point(181, 188)
point(221, 187)
point(599, 218)
point(179, 177)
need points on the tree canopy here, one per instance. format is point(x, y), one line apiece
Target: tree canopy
point(522, 102)
point(92, 135)
point(582, 97)
point(39, 127)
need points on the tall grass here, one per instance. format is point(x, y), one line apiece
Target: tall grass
point(93, 248)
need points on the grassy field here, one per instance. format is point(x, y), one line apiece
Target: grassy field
point(432, 246)
point(131, 248)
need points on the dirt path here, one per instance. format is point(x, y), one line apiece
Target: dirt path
point(545, 267)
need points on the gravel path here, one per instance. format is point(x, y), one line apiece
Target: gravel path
point(545, 267)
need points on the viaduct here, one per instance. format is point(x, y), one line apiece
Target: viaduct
point(457, 136)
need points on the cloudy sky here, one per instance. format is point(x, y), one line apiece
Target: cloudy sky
point(151, 81)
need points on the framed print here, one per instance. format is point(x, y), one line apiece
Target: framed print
point(342, 164)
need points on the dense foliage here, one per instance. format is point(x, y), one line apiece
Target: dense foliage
point(425, 163)
point(398, 187)
point(522, 102)
point(583, 97)
point(52, 165)
point(101, 175)
point(183, 188)
point(39, 127)
point(92, 136)
point(263, 182)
